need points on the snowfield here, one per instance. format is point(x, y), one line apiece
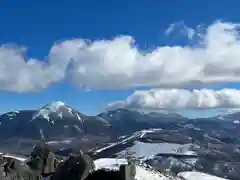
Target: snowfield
point(109, 163)
point(143, 150)
point(190, 175)
point(143, 173)
point(138, 134)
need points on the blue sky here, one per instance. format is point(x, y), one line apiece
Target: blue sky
point(37, 25)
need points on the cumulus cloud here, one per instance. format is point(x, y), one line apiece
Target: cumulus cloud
point(177, 99)
point(118, 63)
point(18, 74)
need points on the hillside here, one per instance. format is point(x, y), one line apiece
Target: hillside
point(191, 146)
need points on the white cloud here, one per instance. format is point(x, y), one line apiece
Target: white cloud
point(20, 75)
point(180, 27)
point(177, 99)
point(118, 63)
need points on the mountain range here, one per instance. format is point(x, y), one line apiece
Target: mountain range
point(58, 121)
point(164, 140)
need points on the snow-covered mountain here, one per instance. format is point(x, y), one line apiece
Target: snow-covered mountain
point(62, 125)
point(58, 110)
point(56, 122)
point(64, 118)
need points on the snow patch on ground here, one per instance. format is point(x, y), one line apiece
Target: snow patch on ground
point(190, 175)
point(144, 132)
point(144, 174)
point(146, 150)
point(109, 163)
point(141, 172)
point(236, 122)
point(190, 161)
point(12, 114)
point(138, 134)
point(66, 141)
point(79, 118)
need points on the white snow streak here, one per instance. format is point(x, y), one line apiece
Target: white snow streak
point(17, 157)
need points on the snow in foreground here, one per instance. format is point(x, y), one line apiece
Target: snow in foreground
point(190, 175)
point(141, 172)
point(144, 174)
point(109, 163)
point(147, 174)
